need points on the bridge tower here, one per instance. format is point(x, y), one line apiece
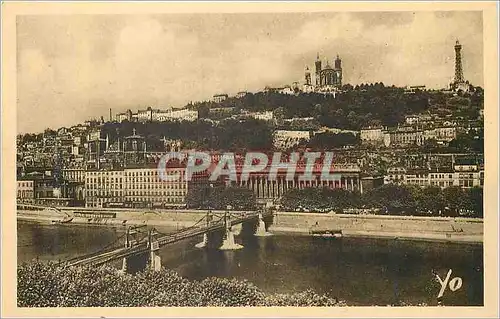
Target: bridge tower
point(128, 244)
point(204, 243)
point(134, 263)
point(154, 247)
point(228, 242)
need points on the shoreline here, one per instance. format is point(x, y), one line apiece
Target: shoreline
point(353, 226)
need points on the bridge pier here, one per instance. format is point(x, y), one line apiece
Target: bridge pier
point(204, 243)
point(261, 231)
point(228, 242)
point(124, 265)
point(237, 229)
point(154, 257)
point(135, 263)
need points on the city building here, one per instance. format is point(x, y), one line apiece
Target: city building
point(135, 187)
point(96, 145)
point(241, 94)
point(25, 190)
point(283, 139)
point(441, 134)
point(157, 115)
point(145, 187)
point(76, 174)
point(464, 173)
point(104, 188)
point(267, 190)
point(264, 116)
point(219, 98)
point(146, 115)
point(177, 114)
point(412, 119)
point(414, 89)
point(395, 175)
point(416, 176)
point(403, 136)
point(134, 149)
point(372, 135)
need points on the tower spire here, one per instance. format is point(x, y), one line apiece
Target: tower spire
point(459, 76)
point(317, 72)
point(307, 76)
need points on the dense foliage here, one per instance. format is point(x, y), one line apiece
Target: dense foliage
point(230, 134)
point(50, 285)
point(389, 199)
point(354, 108)
point(219, 197)
point(329, 140)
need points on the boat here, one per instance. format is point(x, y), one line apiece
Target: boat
point(65, 220)
point(327, 233)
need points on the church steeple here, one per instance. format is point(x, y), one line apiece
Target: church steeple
point(308, 76)
point(318, 69)
point(338, 63)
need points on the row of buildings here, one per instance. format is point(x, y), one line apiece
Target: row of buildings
point(407, 134)
point(463, 173)
point(416, 130)
point(157, 115)
point(145, 187)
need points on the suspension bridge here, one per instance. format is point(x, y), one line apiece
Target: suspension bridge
point(140, 241)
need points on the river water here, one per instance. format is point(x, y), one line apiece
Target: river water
point(360, 271)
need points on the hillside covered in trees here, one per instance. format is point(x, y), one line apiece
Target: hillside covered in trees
point(356, 107)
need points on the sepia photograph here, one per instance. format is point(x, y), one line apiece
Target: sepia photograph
point(212, 155)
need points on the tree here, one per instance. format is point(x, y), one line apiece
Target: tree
point(318, 199)
point(475, 201)
point(197, 196)
point(430, 145)
point(455, 200)
point(329, 140)
point(220, 197)
point(49, 132)
point(394, 198)
point(429, 199)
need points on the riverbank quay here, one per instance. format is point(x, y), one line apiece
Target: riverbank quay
point(458, 229)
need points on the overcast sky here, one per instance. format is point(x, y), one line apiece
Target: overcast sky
point(75, 67)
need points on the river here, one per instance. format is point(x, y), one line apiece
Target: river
point(361, 271)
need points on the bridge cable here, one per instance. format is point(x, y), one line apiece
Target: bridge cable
point(96, 252)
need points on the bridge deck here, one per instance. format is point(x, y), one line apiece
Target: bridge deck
point(114, 254)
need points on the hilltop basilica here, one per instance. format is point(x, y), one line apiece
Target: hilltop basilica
point(326, 79)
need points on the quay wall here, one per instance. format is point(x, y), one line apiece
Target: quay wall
point(425, 228)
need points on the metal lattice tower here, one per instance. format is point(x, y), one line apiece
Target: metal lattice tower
point(459, 75)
